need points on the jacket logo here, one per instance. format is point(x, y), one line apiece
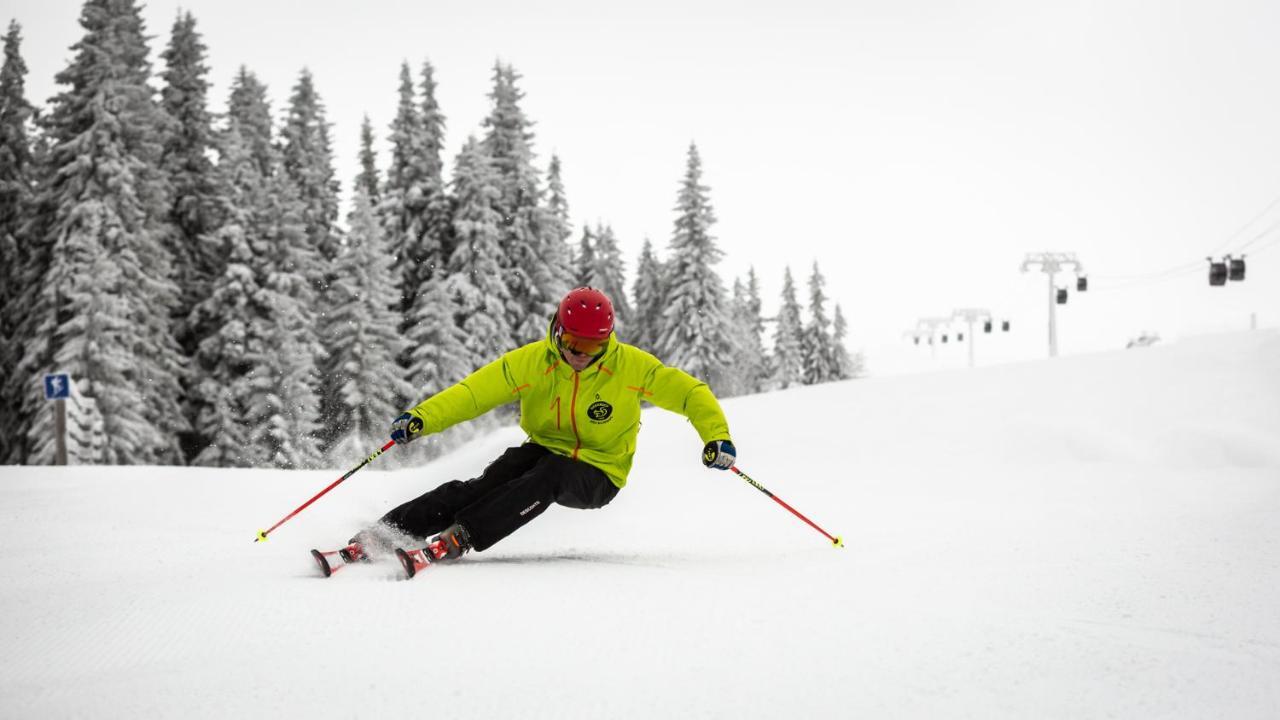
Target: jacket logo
point(600, 411)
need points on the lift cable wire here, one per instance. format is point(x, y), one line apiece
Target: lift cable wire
point(1130, 281)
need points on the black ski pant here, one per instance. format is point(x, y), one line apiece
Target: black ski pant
point(512, 490)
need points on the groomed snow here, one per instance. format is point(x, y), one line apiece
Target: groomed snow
point(1096, 536)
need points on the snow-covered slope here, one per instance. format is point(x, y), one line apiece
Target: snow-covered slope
point(1095, 536)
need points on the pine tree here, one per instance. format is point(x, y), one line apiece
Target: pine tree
point(195, 205)
point(367, 180)
point(535, 268)
point(649, 291)
point(103, 219)
point(816, 349)
point(438, 222)
point(847, 366)
point(788, 360)
point(475, 281)
point(308, 161)
point(586, 267)
point(561, 227)
point(695, 333)
point(225, 357)
point(610, 275)
point(187, 147)
point(750, 364)
point(17, 186)
point(414, 190)
point(363, 337)
point(275, 373)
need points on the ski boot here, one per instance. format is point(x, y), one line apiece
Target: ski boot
point(449, 545)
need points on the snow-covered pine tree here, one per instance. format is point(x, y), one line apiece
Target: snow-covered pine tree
point(187, 162)
point(225, 356)
point(649, 293)
point(848, 366)
point(17, 186)
point(363, 338)
point(815, 347)
point(103, 216)
point(282, 405)
point(408, 191)
point(610, 275)
point(438, 224)
point(586, 269)
point(788, 331)
point(536, 272)
point(475, 280)
point(195, 205)
point(559, 229)
point(561, 226)
point(368, 177)
point(695, 333)
point(749, 359)
point(307, 155)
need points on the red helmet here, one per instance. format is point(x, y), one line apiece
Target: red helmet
point(586, 313)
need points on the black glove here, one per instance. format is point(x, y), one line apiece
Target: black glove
point(719, 454)
point(405, 428)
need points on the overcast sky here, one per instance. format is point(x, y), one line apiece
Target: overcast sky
point(917, 149)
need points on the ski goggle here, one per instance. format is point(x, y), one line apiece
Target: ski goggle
point(580, 345)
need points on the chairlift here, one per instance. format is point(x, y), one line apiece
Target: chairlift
point(1217, 273)
point(1082, 283)
point(1062, 296)
point(1236, 268)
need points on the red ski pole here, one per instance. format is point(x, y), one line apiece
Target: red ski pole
point(262, 534)
point(835, 539)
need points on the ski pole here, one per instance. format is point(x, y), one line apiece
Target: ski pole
point(262, 534)
point(835, 539)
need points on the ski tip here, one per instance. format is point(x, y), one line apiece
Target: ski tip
point(406, 562)
point(262, 536)
point(838, 542)
point(322, 562)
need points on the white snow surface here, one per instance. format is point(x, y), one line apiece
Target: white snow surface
point(1094, 536)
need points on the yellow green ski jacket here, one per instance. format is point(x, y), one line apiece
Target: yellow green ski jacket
point(593, 415)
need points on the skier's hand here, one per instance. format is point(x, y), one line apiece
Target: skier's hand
point(405, 428)
point(719, 454)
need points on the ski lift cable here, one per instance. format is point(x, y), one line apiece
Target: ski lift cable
point(1192, 269)
point(1199, 263)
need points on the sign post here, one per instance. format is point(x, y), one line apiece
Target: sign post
point(57, 387)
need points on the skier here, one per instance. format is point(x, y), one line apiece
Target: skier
point(579, 390)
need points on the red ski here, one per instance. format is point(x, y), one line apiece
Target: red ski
point(327, 561)
point(419, 559)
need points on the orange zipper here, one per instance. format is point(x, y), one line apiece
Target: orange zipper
point(573, 417)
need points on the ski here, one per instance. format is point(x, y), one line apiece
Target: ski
point(416, 560)
point(326, 561)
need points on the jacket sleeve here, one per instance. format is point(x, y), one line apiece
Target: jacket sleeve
point(475, 395)
point(680, 392)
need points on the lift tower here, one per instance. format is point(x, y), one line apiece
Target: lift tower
point(1051, 263)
